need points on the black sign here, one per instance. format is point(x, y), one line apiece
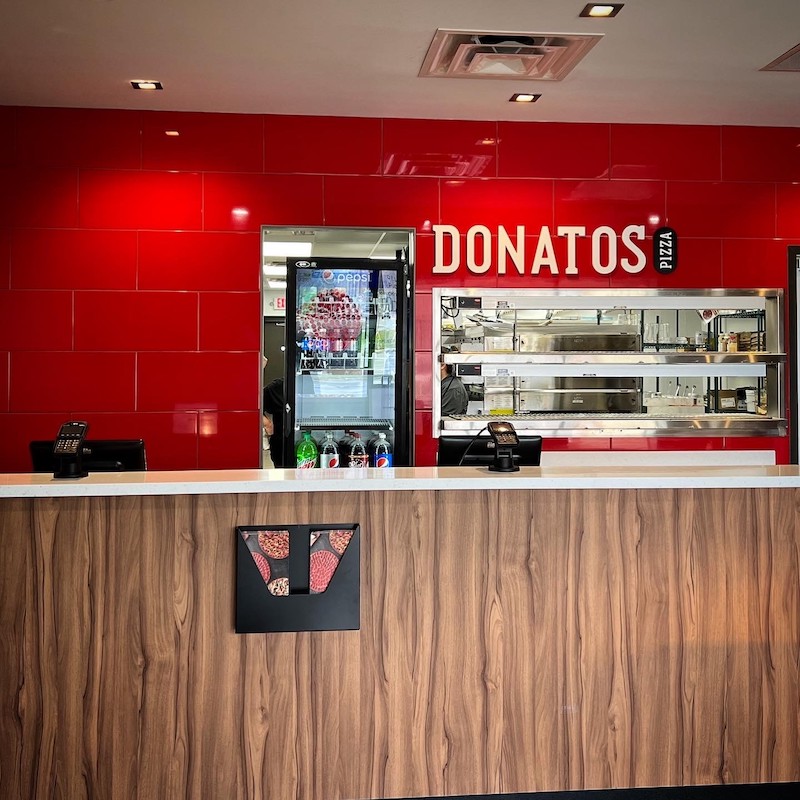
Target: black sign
point(468, 369)
point(665, 250)
point(298, 578)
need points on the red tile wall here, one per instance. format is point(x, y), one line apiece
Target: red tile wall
point(129, 259)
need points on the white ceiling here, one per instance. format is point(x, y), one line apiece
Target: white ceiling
point(679, 61)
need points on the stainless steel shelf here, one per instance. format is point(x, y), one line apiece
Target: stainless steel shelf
point(617, 364)
point(606, 357)
point(613, 425)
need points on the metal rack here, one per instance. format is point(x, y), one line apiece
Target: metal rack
point(655, 362)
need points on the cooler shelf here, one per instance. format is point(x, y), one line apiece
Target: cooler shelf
point(342, 423)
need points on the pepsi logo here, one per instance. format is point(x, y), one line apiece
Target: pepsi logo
point(327, 275)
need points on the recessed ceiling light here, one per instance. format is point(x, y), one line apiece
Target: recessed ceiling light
point(524, 98)
point(602, 10)
point(147, 85)
point(172, 133)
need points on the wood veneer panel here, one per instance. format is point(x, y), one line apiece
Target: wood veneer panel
point(510, 641)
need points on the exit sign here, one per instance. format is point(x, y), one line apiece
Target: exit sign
point(280, 303)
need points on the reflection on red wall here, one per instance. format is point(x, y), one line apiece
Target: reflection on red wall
point(129, 259)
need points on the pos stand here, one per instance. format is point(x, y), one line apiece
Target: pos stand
point(71, 466)
point(504, 459)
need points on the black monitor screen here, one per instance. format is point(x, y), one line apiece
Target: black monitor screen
point(468, 451)
point(99, 455)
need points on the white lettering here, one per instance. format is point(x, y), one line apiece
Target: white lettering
point(571, 232)
point(506, 248)
point(439, 232)
point(510, 248)
point(545, 255)
point(597, 236)
point(628, 234)
point(486, 262)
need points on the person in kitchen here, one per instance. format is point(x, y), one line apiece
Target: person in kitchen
point(454, 393)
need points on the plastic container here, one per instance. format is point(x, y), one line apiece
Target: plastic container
point(307, 453)
point(329, 453)
point(383, 453)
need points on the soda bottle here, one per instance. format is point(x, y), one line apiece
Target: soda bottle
point(307, 453)
point(357, 456)
point(383, 452)
point(329, 453)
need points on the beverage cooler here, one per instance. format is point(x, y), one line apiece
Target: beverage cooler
point(348, 356)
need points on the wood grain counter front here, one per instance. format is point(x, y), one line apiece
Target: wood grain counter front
point(511, 640)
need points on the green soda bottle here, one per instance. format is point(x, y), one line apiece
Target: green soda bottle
point(307, 453)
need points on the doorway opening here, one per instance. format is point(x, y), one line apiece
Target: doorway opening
point(279, 243)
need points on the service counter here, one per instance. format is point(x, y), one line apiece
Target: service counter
point(554, 629)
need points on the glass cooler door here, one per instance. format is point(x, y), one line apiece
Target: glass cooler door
point(345, 330)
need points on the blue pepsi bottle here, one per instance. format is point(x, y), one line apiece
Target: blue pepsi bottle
point(383, 452)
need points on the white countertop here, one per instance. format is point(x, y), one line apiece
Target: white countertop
point(397, 479)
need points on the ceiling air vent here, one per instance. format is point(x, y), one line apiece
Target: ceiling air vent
point(788, 62)
point(526, 56)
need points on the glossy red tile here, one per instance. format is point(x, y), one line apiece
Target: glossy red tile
point(735, 210)
point(135, 200)
point(668, 444)
point(211, 142)
point(497, 202)
point(665, 152)
point(199, 261)
point(7, 125)
point(779, 444)
point(553, 150)
point(170, 440)
point(135, 321)
point(4, 362)
point(615, 203)
point(424, 372)
point(229, 440)
point(63, 382)
point(425, 446)
point(35, 320)
point(198, 381)
point(246, 202)
point(760, 154)
point(230, 321)
point(423, 326)
point(381, 202)
point(73, 259)
point(18, 430)
point(322, 145)
point(79, 137)
point(38, 198)
point(699, 267)
point(788, 211)
point(5, 258)
point(755, 263)
point(439, 148)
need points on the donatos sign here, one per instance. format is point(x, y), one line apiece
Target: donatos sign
point(504, 251)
